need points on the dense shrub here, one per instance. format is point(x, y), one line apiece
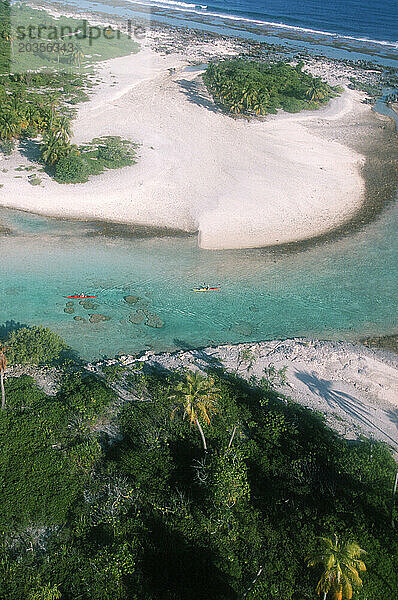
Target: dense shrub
point(7, 147)
point(34, 180)
point(39, 480)
point(293, 105)
point(115, 152)
point(34, 346)
point(102, 153)
point(85, 395)
point(72, 169)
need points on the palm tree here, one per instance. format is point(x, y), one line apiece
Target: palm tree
point(54, 147)
point(316, 91)
point(249, 96)
point(61, 128)
point(32, 114)
point(3, 366)
point(259, 108)
point(44, 117)
point(236, 106)
point(10, 36)
point(52, 105)
point(18, 100)
point(197, 397)
point(77, 55)
point(9, 125)
point(341, 563)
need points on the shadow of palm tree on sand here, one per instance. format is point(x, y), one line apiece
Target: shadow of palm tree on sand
point(197, 93)
point(350, 405)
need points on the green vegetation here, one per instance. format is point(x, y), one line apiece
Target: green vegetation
point(7, 147)
point(341, 564)
point(257, 88)
point(3, 366)
point(113, 152)
point(370, 89)
point(39, 464)
point(109, 152)
point(34, 180)
point(38, 105)
point(108, 499)
point(196, 396)
point(72, 169)
point(34, 346)
point(63, 43)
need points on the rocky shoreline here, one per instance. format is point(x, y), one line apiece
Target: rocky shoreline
point(385, 342)
point(354, 387)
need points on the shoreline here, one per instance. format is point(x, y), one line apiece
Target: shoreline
point(133, 206)
point(171, 195)
point(380, 174)
point(355, 387)
point(241, 31)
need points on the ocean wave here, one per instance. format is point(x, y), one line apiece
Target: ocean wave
point(173, 3)
point(191, 8)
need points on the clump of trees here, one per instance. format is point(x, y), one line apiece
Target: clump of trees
point(36, 105)
point(108, 152)
point(258, 88)
point(104, 499)
point(34, 346)
point(28, 113)
point(24, 115)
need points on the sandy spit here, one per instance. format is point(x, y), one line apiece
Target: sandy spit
point(239, 183)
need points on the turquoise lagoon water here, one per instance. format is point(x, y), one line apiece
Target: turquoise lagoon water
point(343, 289)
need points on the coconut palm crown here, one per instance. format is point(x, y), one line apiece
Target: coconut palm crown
point(197, 397)
point(341, 563)
point(3, 366)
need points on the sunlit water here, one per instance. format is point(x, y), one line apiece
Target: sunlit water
point(358, 27)
point(344, 289)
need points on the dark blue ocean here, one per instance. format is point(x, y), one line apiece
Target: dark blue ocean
point(356, 20)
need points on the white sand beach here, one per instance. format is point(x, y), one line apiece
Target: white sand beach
point(239, 183)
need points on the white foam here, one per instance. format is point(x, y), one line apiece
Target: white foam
point(192, 8)
point(176, 5)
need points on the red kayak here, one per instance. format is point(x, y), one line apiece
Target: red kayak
point(80, 297)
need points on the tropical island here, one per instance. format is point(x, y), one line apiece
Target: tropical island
point(37, 106)
point(308, 184)
point(132, 480)
point(245, 471)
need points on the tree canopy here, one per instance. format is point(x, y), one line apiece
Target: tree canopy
point(34, 346)
point(39, 104)
point(258, 88)
point(108, 499)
